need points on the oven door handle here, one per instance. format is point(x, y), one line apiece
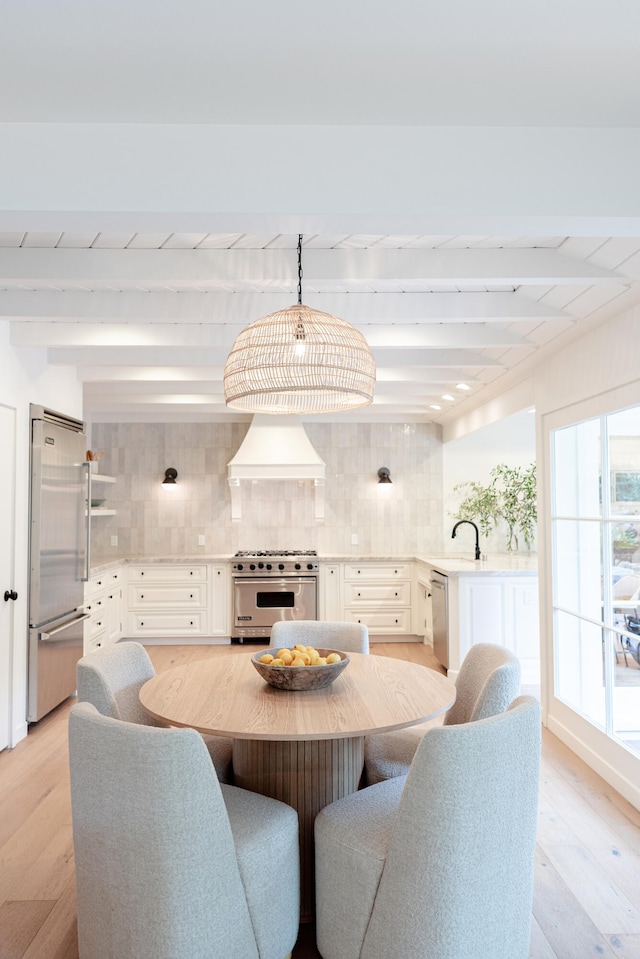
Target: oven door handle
point(275, 580)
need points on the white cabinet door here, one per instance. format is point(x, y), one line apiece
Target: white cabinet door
point(330, 598)
point(523, 626)
point(220, 603)
point(502, 610)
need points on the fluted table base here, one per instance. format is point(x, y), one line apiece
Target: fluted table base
point(307, 775)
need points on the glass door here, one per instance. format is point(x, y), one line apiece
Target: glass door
point(595, 527)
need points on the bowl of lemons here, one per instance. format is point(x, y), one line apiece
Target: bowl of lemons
point(303, 667)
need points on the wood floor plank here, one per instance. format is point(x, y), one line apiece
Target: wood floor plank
point(57, 938)
point(566, 926)
point(610, 910)
point(19, 925)
point(540, 947)
point(625, 947)
point(588, 829)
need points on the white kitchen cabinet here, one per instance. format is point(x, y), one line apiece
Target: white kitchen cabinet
point(330, 592)
point(503, 610)
point(220, 602)
point(104, 603)
point(378, 595)
point(421, 618)
point(168, 600)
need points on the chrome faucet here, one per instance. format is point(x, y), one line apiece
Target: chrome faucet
point(459, 523)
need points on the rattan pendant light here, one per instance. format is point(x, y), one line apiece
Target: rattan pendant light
point(299, 360)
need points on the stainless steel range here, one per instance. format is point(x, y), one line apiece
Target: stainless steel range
point(272, 585)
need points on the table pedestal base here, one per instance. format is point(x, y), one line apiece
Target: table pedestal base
point(305, 775)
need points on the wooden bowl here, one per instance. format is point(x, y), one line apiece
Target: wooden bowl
point(298, 678)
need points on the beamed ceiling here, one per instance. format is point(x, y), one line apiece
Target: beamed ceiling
point(147, 320)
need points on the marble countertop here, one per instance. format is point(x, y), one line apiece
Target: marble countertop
point(509, 563)
point(500, 563)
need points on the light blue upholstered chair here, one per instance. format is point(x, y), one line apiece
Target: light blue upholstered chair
point(488, 682)
point(437, 864)
point(347, 637)
point(170, 863)
point(111, 678)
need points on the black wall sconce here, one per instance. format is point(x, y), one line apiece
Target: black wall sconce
point(384, 475)
point(170, 477)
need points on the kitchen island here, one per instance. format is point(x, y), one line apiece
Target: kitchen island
point(494, 600)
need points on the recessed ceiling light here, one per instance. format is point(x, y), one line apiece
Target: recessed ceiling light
point(434, 406)
point(462, 386)
point(447, 396)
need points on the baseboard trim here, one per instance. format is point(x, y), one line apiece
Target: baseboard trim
point(620, 782)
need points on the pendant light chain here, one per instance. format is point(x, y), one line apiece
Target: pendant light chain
point(299, 269)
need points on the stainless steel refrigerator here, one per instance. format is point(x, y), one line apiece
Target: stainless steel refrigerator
point(58, 557)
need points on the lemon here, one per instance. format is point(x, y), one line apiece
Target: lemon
point(334, 658)
point(266, 659)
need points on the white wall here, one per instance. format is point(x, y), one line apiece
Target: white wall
point(26, 378)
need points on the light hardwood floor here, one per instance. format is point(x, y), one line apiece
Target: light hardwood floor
point(587, 888)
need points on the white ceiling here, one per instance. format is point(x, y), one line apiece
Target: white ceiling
point(436, 62)
point(147, 319)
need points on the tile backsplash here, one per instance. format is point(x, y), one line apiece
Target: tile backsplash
point(152, 521)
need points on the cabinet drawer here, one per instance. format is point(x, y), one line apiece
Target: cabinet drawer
point(167, 574)
point(387, 572)
point(154, 595)
point(100, 581)
point(391, 594)
point(157, 623)
point(381, 620)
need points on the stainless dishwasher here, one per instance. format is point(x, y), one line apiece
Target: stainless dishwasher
point(440, 617)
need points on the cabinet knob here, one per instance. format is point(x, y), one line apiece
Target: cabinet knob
point(395, 594)
point(190, 595)
point(141, 595)
point(359, 594)
point(142, 573)
point(191, 573)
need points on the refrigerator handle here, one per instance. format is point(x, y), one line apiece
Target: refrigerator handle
point(60, 629)
point(87, 572)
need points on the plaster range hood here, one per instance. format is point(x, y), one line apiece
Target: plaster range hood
point(276, 448)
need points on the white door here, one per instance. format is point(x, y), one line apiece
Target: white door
point(7, 525)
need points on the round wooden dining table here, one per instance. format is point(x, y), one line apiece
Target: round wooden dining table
point(304, 748)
